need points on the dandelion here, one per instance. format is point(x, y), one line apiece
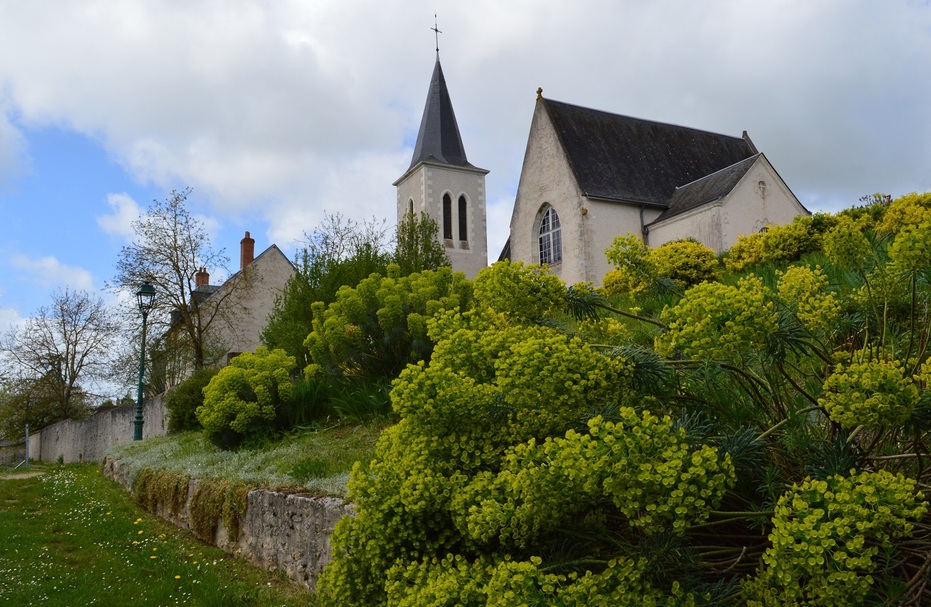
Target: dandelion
point(140, 532)
point(177, 577)
point(153, 557)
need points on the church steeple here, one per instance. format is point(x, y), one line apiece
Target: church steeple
point(439, 140)
point(441, 183)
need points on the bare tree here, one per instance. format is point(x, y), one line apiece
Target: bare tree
point(170, 248)
point(54, 360)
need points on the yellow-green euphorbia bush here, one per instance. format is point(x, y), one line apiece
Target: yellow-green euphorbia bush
point(826, 536)
point(242, 397)
point(718, 322)
point(874, 394)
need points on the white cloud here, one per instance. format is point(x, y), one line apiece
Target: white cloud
point(125, 210)
point(50, 273)
point(9, 319)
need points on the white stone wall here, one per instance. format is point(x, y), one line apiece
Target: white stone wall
point(88, 439)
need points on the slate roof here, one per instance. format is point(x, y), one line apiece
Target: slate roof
point(707, 189)
point(619, 158)
point(439, 139)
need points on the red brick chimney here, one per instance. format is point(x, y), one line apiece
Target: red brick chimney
point(202, 278)
point(246, 251)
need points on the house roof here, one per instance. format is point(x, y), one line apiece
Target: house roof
point(707, 189)
point(439, 140)
point(619, 158)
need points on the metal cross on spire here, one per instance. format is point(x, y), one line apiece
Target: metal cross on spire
point(436, 33)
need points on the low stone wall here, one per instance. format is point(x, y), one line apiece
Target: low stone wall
point(288, 532)
point(88, 439)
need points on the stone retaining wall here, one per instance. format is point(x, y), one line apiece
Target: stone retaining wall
point(288, 532)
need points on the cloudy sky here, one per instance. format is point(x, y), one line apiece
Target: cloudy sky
point(277, 112)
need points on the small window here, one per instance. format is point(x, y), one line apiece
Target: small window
point(550, 238)
point(447, 217)
point(410, 206)
point(463, 219)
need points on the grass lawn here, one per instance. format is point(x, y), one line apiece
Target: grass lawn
point(71, 537)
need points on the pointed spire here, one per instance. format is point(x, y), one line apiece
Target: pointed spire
point(439, 139)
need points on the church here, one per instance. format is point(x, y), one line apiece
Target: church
point(587, 177)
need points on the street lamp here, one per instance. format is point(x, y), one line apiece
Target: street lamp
point(145, 298)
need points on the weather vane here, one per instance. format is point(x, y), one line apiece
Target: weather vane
point(436, 33)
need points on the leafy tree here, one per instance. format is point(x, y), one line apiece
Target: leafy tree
point(170, 246)
point(340, 252)
point(55, 356)
point(417, 244)
point(241, 400)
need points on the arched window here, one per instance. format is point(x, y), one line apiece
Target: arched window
point(463, 219)
point(447, 217)
point(550, 238)
point(410, 206)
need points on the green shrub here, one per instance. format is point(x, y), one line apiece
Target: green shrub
point(746, 252)
point(309, 403)
point(241, 400)
point(718, 322)
point(374, 329)
point(182, 401)
point(635, 268)
point(522, 293)
point(688, 262)
point(909, 210)
point(827, 535)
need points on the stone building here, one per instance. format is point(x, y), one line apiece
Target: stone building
point(589, 176)
point(444, 184)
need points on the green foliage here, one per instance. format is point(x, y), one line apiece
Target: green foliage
point(376, 328)
point(182, 401)
point(688, 262)
point(718, 322)
point(788, 242)
point(873, 394)
point(522, 293)
point(242, 398)
point(827, 535)
point(746, 252)
point(496, 458)
point(909, 210)
point(417, 244)
point(847, 246)
point(339, 252)
point(635, 268)
point(805, 292)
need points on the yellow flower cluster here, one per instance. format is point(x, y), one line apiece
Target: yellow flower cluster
point(805, 291)
point(718, 322)
point(873, 394)
point(826, 535)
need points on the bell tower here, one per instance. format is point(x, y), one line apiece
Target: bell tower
point(442, 183)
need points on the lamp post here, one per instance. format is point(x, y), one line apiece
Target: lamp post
point(145, 298)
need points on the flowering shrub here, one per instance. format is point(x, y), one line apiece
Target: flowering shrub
point(826, 535)
point(874, 394)
point(522, 293)
point(688, 262)
point(719, 322)
point(909, 210)
point(747, 251)
point(634, 265)
point(242, 397)
point(788, 242)
point(846, 245)
point(378, 326)
point(804, 290)
point(911, 249)
point(485, 459)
